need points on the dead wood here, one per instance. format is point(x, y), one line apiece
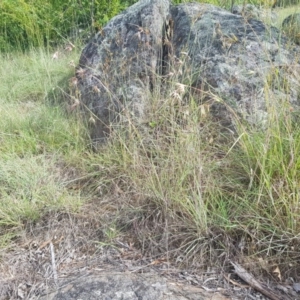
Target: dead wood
point(261, 287)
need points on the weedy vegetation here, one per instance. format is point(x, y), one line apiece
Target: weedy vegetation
point(181, 186)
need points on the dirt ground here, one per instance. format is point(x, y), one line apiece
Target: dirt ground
point(65, 256)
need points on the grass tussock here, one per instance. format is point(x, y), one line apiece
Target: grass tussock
point(205, 195)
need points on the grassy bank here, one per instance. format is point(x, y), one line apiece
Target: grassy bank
point(189, 189)
point(180, 187)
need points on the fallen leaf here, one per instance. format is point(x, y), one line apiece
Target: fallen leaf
point(277, 273)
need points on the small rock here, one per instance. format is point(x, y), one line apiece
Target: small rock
point(296, 287)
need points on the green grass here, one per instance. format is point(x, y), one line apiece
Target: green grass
point(30, 187)
point(275, 166)
point(32, 75)
point(285, 12)
point(31, 121)
point(26, 24)
point(38, 140)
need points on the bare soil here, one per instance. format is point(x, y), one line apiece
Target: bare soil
point(68, 256)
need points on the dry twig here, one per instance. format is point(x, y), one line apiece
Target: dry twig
point(262, 288)
point(53, 263)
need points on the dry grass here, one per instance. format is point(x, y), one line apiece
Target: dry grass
point(201, 196)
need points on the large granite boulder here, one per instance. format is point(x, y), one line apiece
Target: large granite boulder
point(117, 68)
point(231, 62)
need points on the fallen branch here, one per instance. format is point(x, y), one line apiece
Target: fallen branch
point(53, 263)
point(262, 288)
point(235, 283)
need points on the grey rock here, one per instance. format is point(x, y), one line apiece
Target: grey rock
point(230, 58)
point(118, 67)
point(127, 286)
point(247, 10)
point(296, 287)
